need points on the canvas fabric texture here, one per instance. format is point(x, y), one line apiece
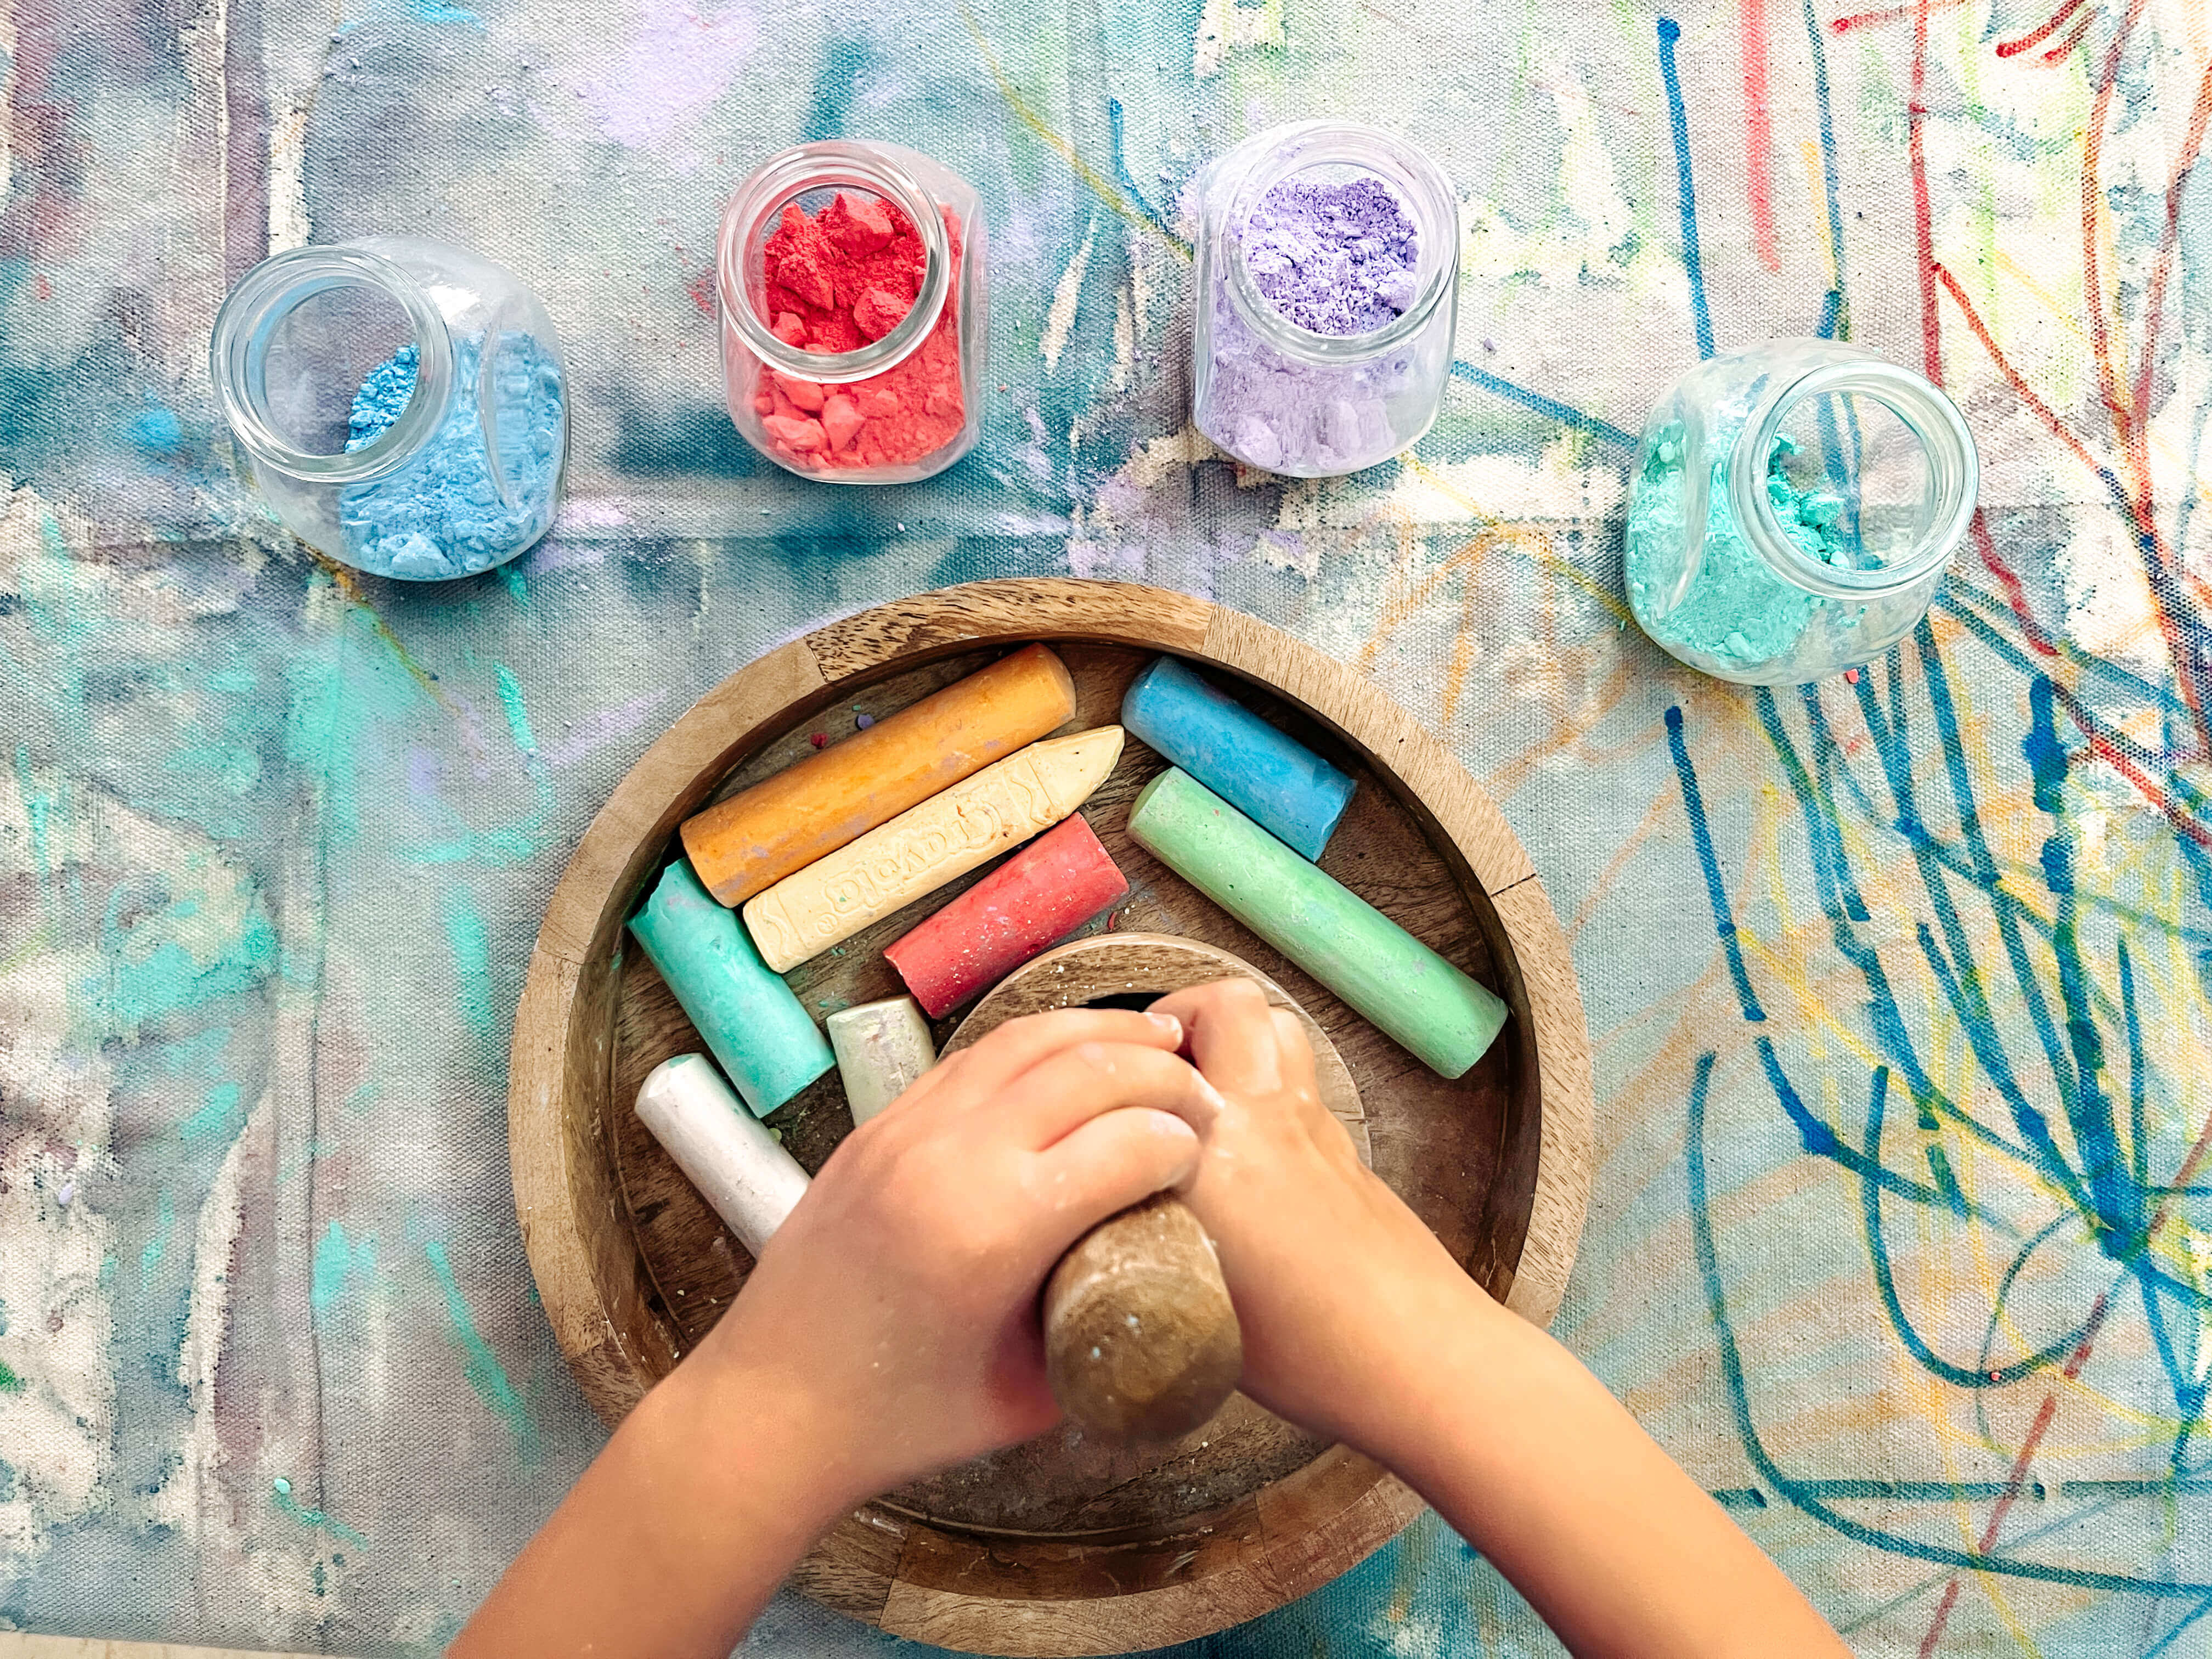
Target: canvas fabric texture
point(1898, 1237)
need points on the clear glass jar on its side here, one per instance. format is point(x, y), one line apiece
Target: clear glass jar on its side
point(402, 404)
point(1283, 397)
point(832, 387)
point(1793, 510)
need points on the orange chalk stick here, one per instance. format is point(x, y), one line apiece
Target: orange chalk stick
point(749, 842)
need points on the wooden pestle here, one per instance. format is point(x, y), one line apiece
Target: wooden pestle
point(1141, 1339)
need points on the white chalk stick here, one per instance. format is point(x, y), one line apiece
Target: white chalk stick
point(738, 1167)
point(881, 1047)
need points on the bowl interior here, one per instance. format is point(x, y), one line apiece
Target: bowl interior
point(1462, 1153)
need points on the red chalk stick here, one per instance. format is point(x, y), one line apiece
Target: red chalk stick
point(1035, 898)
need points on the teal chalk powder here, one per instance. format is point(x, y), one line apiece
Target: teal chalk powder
point(1793, 510)
point(1734, 607)
point(463, 502)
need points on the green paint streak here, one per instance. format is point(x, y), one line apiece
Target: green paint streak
point(139, 983)
point(518, 717)
point(321, 1521)
point(471, 946)
point(213, 1118)
point(10, 1383)
point(483, 1367)
point(336, 1261)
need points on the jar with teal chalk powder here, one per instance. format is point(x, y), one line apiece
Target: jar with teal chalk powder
point(400, 404)
point(1793, 510)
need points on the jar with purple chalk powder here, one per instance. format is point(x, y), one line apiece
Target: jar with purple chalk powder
point(1327, 291)
point(400, 404)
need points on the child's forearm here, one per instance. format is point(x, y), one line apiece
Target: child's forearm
point(1535, 1464)
point(675, 1539)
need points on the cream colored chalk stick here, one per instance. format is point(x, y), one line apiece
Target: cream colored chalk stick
point(926, 846)
point(727, 1152)
point(882, 1047)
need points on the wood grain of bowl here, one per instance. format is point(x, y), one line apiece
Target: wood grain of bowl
point(1058, 1547)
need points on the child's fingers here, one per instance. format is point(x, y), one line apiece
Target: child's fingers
point(1019, 1044)
point(1067, 1090)
point(1232, 1040)
point(1108, 1165)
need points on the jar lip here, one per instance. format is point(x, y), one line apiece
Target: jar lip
point(823, 166)
point(1279, 152)
point(1953, 489)
point(237, 359)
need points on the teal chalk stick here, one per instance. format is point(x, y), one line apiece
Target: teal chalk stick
point(766, 1042)
point(1415, 996)
point(1268, 775)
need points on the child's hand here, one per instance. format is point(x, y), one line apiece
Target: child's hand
point(1330, 1272)
point(900, 1298)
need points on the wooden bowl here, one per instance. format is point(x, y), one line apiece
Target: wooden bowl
point(1041, 1551)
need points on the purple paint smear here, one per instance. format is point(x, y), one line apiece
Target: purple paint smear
point(603, 727)
point(680, 60)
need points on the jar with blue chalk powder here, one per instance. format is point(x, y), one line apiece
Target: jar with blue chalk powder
point(400, 404)
point(1793, 510)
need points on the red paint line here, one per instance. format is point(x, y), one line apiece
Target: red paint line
point(1888, 14)
point(2030, 42)
point(2017, 1481)
point(2081, 32)
point(1758, 135)
point(1923, 231)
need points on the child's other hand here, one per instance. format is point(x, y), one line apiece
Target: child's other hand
point(899, 1301)
point(1330, 1272)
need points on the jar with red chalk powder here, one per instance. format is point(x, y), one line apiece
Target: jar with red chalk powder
point(850, 277)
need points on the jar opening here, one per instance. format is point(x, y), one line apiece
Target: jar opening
point(1325, 156)
point(1855, 479)
point(330, 364)
point(880, 201)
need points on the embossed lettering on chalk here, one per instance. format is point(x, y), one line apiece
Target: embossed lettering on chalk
point(928, 845)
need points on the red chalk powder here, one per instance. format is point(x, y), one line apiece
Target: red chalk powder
point(832, 282)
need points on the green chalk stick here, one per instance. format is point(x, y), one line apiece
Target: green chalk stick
point(765, 1040)
point(1414, 994)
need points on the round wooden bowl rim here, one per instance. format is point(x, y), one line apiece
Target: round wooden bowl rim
point(1290, 1537)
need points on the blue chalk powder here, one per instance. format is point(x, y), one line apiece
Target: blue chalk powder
point(460, 504)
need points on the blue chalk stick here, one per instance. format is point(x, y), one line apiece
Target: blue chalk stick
point(1277, 782)
point(748, 1016)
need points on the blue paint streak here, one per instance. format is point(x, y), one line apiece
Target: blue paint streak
point(1550, 408)
point(1701, 836)
point(1116, 123)
point(1678, 115)
point(1962, 1376)
point(1816, 41)
point(1805, 1495)
point(836, 84)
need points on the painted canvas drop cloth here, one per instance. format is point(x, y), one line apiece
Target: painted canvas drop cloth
point(1900, 1238)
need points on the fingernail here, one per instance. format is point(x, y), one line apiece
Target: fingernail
point(1169, 1025)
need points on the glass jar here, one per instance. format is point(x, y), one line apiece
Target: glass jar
point(1793, 509)
point(400, 404)
point(1291, 399)
point(826, 375)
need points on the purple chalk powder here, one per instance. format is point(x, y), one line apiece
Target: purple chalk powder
point(1333, 258)
point(1326, 299)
